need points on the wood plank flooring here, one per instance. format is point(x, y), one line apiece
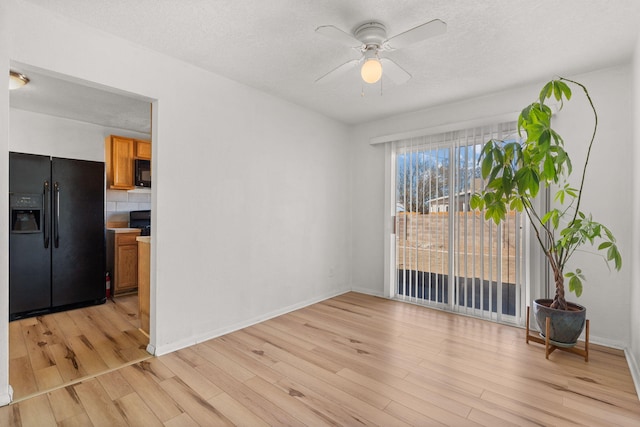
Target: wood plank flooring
point(46, 352)
point(353, 360)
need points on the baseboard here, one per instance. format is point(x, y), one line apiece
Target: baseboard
point(367, 291)
point(634, 369)
point(594, 339)
point(164, 349)
point(7, 398)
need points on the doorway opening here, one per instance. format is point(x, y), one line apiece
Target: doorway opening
point(62, 116)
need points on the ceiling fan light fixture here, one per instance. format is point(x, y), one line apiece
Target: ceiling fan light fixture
point(370, 39)
point(17, 80)
point(371, 70)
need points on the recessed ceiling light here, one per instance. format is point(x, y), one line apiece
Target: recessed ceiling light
point(17, 80)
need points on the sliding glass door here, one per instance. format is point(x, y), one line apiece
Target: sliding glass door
point(447, 255)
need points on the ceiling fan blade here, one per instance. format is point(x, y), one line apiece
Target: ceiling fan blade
point(396, 73)
point(416, 34)
point(338, 71)
point(338, 35)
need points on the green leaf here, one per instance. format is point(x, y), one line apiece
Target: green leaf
point(496, 211)
point(488, 198)
point(571, 191)
point(567, 161)
point(566, 90)
point(533, 131)
point(554, 216)
point(496, 184)
point(541, 114)
point(609, 234)
point(556, 137)
point(575, 285)
point(557, 93)
point(544, 139)
point(487, 147)
point(546, 92)
point(555, 220)
point(547, 111)
point(550, 169)
point(528, 181)
point(498, 155)
point(487, 163)
point(523, 120)
point(494, 173)
point(618, 260)
point(516, 204)
point(476, 202)
point(614, 255)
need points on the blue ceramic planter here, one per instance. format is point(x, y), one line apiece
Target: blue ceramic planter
point(566, 325)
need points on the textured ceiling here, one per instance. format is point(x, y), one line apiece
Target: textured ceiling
point(271, 45)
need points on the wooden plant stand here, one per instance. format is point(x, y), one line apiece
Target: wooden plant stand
point(550, 348)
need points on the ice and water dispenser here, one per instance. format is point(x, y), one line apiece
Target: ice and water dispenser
point(26, 213)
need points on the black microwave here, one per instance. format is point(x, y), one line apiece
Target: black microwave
point(143, 173)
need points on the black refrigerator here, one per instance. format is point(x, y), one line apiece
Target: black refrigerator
point(56, 234)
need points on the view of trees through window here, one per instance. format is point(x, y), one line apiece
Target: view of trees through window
point(445, 252)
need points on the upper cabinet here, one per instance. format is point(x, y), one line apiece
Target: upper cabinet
point(119, 157)
point(120, 153)
point(143, 150)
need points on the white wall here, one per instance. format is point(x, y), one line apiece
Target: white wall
point(634, 351)
point(5, 32)
point(607, 195)
point(606, 295)
point(266, 225)
point(35, 133)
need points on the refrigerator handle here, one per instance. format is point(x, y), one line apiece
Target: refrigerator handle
point(45, 220)
point(56, 214)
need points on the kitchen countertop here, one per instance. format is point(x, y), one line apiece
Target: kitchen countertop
point(123, 230)
point(144, 239)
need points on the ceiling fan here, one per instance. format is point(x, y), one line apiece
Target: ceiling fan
point(371, 39)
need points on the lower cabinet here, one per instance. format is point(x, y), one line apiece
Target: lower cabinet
point(144, 282)
point(122, 259)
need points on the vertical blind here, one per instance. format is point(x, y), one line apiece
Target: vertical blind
point(445, 253)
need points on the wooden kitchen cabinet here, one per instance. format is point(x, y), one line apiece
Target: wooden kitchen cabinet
point(119, 159)
point(144, 282)
point(143, 150)
point(120, 153)
point(122, 259)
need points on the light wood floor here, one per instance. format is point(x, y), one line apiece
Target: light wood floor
point(48, 351)
point(351, 360)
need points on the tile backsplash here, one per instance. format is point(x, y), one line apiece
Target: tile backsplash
point(120, 203)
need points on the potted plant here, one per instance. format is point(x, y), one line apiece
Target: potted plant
point(515, 172)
